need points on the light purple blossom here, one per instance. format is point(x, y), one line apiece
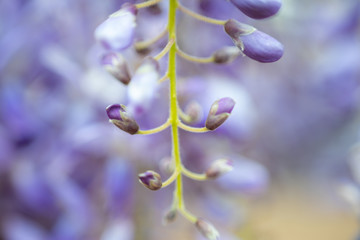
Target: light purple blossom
point(258, 9)
point(117, 32)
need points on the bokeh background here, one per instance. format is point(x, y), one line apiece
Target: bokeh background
point(66, 173)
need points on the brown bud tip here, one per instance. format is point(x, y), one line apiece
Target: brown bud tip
point(226, 55)
point(151, 180)
point(207, 229)
point(170, 216)
point(218, 168)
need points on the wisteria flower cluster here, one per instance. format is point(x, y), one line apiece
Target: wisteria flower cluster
point(116, 34)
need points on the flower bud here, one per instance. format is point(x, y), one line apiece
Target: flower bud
point(194, 111)
point(143, 85)
point(207, 229)
point(120, 118)
point(170, 216)
point(237, 29)
point(255, 44)
point(117, 32)
point(115, 64)
point(219, 112)
point(258, 9)
point(151, 180)
point(167, 165)
point(218, 168)
point(226, 55)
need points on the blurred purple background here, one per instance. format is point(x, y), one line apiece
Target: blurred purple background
point(67, 174)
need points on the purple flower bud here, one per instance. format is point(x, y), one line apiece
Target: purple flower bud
point(218, 168)
point(254, 44)
point(226, 55)
point(151, 180)
point(258, 9)
point(194, 111)
point(170, 216)
point(143, 86)
point(220, 110)
point(115, 64)
point(262, 47)
point(207, 229)
point(120, 118)
point(117, 32)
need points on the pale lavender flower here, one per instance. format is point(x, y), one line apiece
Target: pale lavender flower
point(143, 86)
point(117, 32)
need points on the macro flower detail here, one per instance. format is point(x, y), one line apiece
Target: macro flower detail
point(258, 9)
point(151, 180)
point(218, 168)
point(143, 85)
point(117, 32)
point(220, 110)
point(207, 229)
point(119, 117)
point(115, 64)
point(255, 44)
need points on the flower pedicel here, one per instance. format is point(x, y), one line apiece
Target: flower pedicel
point(117, 33)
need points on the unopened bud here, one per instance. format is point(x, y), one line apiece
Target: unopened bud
point(115, 64)
point(219, 112)
point(237, 29)
point(170, 216)
point(120, 118)
point(167, 165)
point(226, 55)
point(151, 180)
point(207, 229)
point(258, 9)
point(194, 111)
point(218, 168)
point(254, 44)
point(117, 32)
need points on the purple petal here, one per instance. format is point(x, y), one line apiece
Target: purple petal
point(258, 9)
point(117, 32)
point(261, 47)
point(113, 111)
point(225, 105)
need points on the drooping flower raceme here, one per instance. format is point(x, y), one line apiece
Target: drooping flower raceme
point(116, 33)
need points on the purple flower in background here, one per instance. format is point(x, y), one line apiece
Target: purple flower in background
point(115, 64)
point(258, 9)
point(143, 86)
point(117, 32)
